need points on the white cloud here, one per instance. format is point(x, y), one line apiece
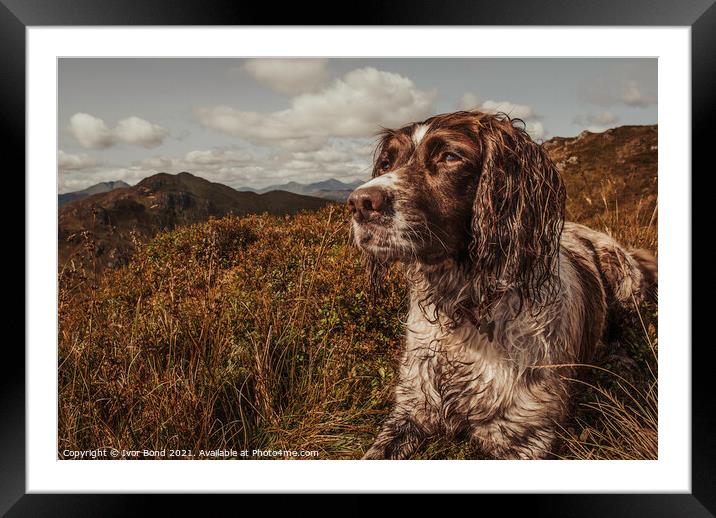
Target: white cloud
point(140, 132)
point(93, 133)
point(70, 162)
point(289, 76)
point(606, 118)
point(325, 155)
point(468, 102)
point(603, 119)
point(515, 111)
point(606, 92)
point(365, 150)
point(303, 144)
point(356, 105)
point(633, 96)
point(208, 160)
point(345, 159)
point(90, 132)
point(535, 129)
point(158, 163)
point(217, 156)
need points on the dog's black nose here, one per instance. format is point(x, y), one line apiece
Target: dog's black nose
point(367, 203)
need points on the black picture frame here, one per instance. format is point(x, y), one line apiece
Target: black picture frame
point(700, 15)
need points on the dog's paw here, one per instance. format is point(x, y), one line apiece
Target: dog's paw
point(374, 454)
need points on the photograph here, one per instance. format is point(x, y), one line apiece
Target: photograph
point(343, 258)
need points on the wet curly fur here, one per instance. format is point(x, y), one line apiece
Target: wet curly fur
point(502, 290)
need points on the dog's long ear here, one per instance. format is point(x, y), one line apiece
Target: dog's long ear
point(518, 214)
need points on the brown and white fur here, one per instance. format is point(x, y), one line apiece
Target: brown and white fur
point(503, 294)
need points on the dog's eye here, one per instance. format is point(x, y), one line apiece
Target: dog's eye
point(384, 165)
point(450, 157)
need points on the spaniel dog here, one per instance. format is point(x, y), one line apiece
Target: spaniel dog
point(504, 295)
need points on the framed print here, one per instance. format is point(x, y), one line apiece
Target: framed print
point(435, 243)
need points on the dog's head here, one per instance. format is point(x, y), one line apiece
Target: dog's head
point(467, 189)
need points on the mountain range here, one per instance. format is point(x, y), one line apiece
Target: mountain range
point(331, 189)
point(68, 197)
point(108, 223)
point(108, 218)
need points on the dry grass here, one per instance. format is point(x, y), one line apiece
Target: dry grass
point(256, 333)
point(616, 413)
point(617, 416)
point(237, 333)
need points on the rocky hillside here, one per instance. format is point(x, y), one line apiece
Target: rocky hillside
point(102, 229)
point(619, 164)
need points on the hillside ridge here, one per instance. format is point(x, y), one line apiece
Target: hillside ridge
point(68, 197)
point(102, 228)
point(619, 164)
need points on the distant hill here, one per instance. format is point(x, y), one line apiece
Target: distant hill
point(331, 189)
point(614, 172)
point(104, 226)
point(68, 197)
point(617, 169)
point(619, 163)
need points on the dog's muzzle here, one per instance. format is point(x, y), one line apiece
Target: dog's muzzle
point(369, 204)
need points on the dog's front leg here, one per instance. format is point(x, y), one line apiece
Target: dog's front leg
point(399, 438)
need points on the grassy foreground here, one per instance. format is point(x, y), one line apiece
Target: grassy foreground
point(256, 333)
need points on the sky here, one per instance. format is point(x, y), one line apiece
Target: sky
point(260, 122)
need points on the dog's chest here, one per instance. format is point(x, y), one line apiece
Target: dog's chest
point(460, 372)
